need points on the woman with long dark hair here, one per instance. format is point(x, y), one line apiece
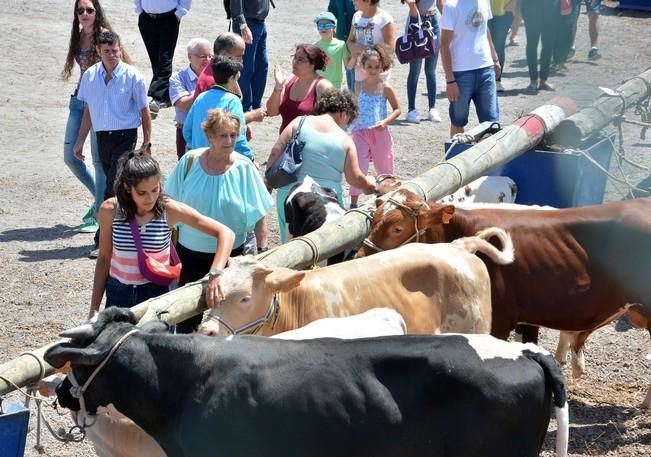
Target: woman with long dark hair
point(88, 21)
point(138, 197)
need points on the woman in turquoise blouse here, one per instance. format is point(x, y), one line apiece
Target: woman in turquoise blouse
point(221, 184)
point(329, 152)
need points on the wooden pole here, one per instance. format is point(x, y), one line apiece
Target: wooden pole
point(602, 112)
point(348, 231)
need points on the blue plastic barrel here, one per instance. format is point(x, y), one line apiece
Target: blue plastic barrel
point(14, 420)
point(643, 5)
point(559, 179)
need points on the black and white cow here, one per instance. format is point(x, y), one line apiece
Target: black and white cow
point(486, 189)
point(309, 205)
point(442, 395)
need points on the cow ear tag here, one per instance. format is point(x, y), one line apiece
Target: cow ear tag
point(447, 213)
point(637, 317)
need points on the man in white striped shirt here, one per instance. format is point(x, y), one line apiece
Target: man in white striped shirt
point(115, 95)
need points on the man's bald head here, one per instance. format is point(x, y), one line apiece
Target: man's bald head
point(229, 44)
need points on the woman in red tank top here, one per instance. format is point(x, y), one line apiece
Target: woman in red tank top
point(296, 95)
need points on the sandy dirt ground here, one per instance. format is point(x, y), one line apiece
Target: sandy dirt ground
point(46, 277)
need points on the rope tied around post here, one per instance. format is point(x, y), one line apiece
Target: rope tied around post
point(420, 188)
point(455, 168)
point(313, 247)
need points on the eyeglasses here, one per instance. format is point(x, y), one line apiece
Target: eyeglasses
point(203, 56)
point(325, 26)
point(300, 59)
point(83, 10)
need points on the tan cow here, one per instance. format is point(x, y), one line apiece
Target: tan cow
point(436, 288)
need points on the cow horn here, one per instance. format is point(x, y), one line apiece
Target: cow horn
point(82, 331)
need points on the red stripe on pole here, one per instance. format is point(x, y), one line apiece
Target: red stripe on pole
point(532, 124)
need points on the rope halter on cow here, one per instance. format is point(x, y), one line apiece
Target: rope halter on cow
point(410, 211)
point(77, 391)
point(252, 327)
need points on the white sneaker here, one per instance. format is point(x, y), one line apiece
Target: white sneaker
point(434, 115)
point(154, 108)
point(413, 117)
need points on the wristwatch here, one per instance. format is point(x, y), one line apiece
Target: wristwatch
point(214, 272)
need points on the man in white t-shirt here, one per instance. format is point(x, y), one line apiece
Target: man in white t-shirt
point(469, 60)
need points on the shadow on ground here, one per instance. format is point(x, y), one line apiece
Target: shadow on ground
point(42, 255)
point(56, 232)
point(602, 429)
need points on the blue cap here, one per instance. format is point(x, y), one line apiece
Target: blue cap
point(325, 16)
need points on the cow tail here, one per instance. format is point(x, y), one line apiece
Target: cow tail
point(554, 376)
point(478, 242)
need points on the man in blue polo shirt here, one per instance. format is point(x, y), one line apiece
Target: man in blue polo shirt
point(116, 105)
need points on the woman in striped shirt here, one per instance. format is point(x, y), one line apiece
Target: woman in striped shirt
point(138, 195)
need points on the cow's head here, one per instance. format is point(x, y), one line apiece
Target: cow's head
point(88, 346)
point(309, 205)
point(400, 217)
point(249, 288)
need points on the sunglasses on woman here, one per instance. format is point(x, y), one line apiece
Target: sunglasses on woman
point(83, 10)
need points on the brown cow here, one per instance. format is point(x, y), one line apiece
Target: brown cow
point(575, 269)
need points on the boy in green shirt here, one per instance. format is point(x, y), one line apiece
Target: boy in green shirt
point(336, 49)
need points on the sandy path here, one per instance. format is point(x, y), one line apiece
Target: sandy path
point(45, 278)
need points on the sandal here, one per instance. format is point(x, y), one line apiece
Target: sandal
point(531, 88)
point(546, 86)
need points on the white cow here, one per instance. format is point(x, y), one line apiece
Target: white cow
point(487, 189)
point(374, 322)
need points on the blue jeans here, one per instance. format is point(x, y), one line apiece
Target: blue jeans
point(94, 182)
point(350, 80)
point(589, 7)
point(563, 42)
point(478, 86)
point(128, 295)
point(499, 27)
point(253, 78)
point(430, 69)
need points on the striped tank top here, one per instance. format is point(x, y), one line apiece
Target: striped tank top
point(155, 236)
